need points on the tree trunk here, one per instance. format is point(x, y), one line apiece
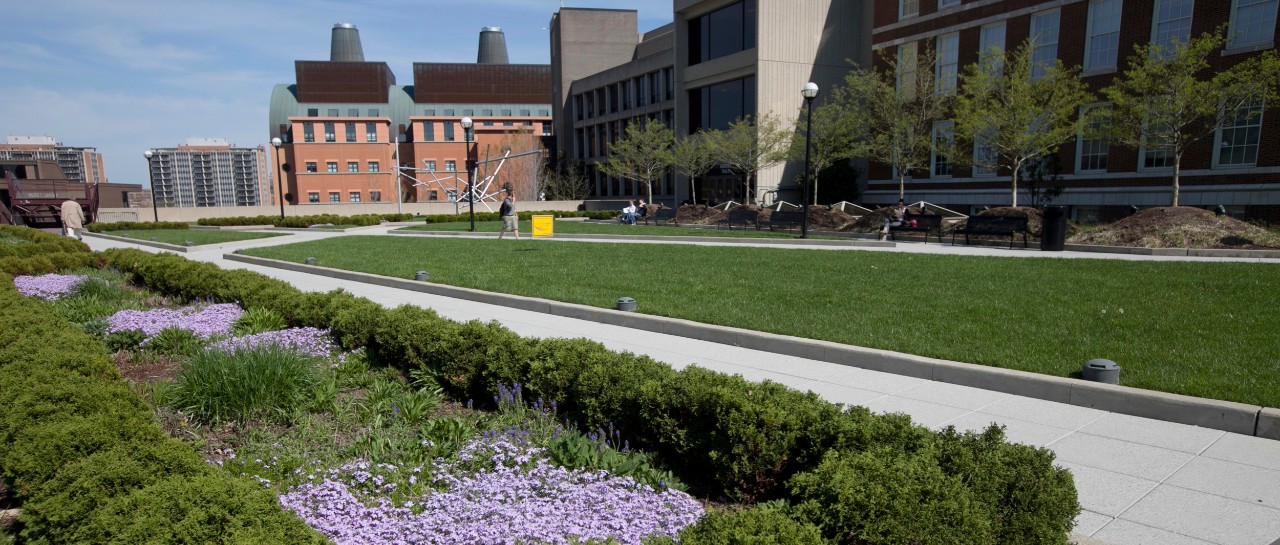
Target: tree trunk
point(1177, 171)
point(693, 189)
point(902, 185)
point(1017, 167)
point(815, 188)
point(648, 187)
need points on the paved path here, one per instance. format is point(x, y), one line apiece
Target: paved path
point(1140, 481)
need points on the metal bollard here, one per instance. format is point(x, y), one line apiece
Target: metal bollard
point(626, 304)
point(421, 276)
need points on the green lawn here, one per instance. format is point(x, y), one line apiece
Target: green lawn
point(1201, 329)
point(196, 236)
point(584, 228)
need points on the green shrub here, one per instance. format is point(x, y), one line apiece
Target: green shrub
point(258, 320)
point(265, 382)
point(409, 339)
point(574, 449)
point(58, 514)
point(175, 341)
point(1028, 500)
point(207, 509)
point(760, 525)
point(100, 227)
point(128, 339)
point(886, 496)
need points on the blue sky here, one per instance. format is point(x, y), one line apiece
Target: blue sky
point(127, 75)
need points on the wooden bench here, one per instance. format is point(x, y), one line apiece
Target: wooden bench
point(740, 216)
point(994, 225)
point(661, 216)
point(922, 223)
point(784, 219)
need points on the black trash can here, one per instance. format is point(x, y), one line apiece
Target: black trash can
point(1053, 236)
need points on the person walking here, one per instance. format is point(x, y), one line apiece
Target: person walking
point(72, 219)
point(510, 221)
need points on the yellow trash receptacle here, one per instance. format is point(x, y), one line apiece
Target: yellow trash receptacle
point(543, 226)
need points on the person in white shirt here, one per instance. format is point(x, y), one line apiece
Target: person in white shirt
point(629, 214)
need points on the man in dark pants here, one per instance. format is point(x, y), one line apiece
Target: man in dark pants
point(510, 222)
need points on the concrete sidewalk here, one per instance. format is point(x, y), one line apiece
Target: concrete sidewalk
point(1140, 481)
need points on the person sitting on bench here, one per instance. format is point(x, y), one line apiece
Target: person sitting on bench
point(896, 216)
point(629, 214)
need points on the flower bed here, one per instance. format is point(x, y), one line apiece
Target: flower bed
point(203, 320)
point(48, 286)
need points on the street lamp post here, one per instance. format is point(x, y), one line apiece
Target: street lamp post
point(152, 180)
point(280, 174)
point(471, 170)
point(810, 92)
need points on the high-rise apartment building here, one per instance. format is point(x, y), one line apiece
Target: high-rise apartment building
point(209, 172)
point(79, 164)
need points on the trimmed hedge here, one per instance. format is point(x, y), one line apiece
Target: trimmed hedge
point(83, 453)
point(305, 221)
point(43, 252)
point(494, 216)
point(724, 436)
point(137, 226)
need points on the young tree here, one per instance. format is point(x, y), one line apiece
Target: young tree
point(1168, 98)
point(641, 155)
point(693, 157)
point(749, 146)
point(1018, 109)
point(831, 139)
point(895, 108)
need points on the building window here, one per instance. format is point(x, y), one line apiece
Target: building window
point(329, 135)
point(639, 85)
point(1155, 157)
point(486, 112)
point(984, 157)
point(942, 4)
point(1092, 144)
point(943, 138)
point(667, 76)
point(1253, 22)
point(373, 166)
point(715, 106)
point(370, 132)
point(655, 87)
point(1102, 39)
point(1172, 24)
point(313, 197)
point(313, 112)
point(373, 112)
point(375, 196)
point(487, 124)
point(508, 123)
point(908, 64)
point(908, 8)
point(333, 112)
point(722, 32)
point(311, 166)
point(353, 166)
point(448, 132)
point(525, 113)
point(353, 112)
point(353, 196)
point(1238, 137)
point(991, 46)
point(308, 132)
point(948, 62)
point(431, 166)
point(433, 195)
point(546, 129)
point(449, 165)
point(1044, 34)
point(334, 196)
point(332, 166)
point(429, 131)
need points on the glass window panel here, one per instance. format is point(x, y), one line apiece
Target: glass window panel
point(1102, 41)
point(1239, 136)
point(948, 62)
point(1093, 146)
point(1253, 22)
point(351, 131)
point(1044, 33)
point(943, 137)
point(1172, 22)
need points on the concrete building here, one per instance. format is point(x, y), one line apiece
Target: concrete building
point(718, 60)
point(209, 172)
point(80, 164)
point(1239, 167)
point(347, 133)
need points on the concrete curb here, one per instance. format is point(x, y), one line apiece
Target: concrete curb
point(1220, 415)
point(175, 247)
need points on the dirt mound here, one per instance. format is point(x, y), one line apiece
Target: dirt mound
point(1179, 227)
point(1035, 218)
point(874, 222)
point(694, 213)
point(821, 218)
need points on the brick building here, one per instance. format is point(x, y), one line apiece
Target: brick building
point(79, 164)
point(1239, 167)
point(345, 132)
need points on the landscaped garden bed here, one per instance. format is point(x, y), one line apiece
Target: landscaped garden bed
point(402, 389)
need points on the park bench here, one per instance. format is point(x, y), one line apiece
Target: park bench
point(740, 216)
point(784, 219)
point(994, 225)
point(922, 223)
point(661, 216)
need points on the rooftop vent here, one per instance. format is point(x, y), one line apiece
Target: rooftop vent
point(345, 45)
point(493, 46)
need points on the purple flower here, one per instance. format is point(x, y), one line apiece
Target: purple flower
point(304, 340)
point(48, 286)
point(203, 320)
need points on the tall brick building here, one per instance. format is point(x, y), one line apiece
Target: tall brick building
point(1238, 167)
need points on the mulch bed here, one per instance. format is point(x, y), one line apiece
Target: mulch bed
point(1180, 227)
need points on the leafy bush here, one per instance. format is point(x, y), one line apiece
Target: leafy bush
point(305, 221)
point(58, 514)
point(258, 320)
point(886, 496)
point(595, 452)
point(100, 227)
point(760, 525)
point(264, 382)
point(524, 216)
point(208, 509)
point(129, 339)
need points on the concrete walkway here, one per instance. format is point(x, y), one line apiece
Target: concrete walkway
point(1140, 481)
